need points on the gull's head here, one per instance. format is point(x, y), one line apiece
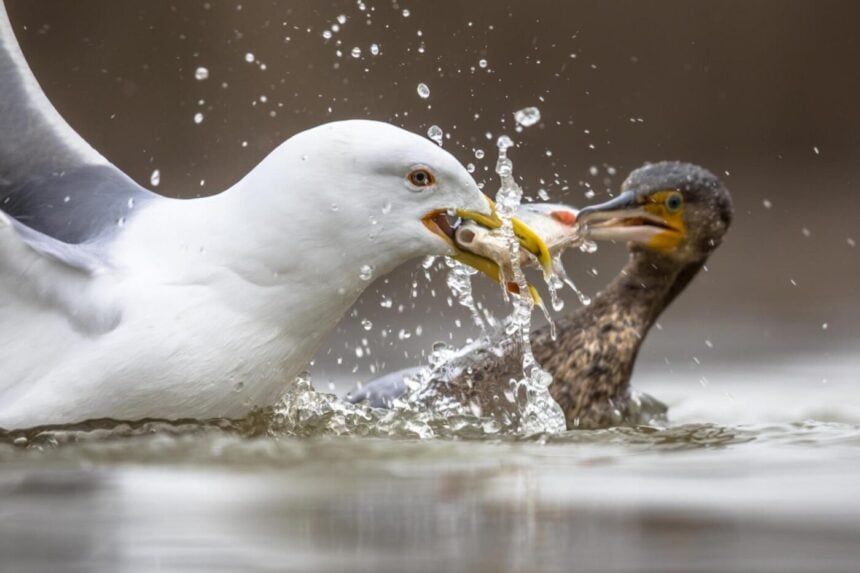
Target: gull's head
point(374, 192)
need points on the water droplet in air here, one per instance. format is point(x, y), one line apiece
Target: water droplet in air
point(528, 116)
point(366, 324)
point(249, 57)
point(504, 142)
point(201, 73)
point(423, 90)
point(435, 133)
point(439, 346)
point(366, 272)
point(326, 34)
point(482, 63)
point(406, 13)
point(374, 49)
point(479, 154)
point(341, 19)
point(767, 204)
point(198, 118)
point(588, 246)
point(155, 178)
point(356, 52)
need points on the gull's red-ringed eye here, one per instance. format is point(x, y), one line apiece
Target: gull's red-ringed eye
point(421, 177)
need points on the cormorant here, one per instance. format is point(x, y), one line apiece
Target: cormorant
point(674, 215)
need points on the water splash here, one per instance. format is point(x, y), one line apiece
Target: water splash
point(460, 284)
point(527, 116)
point(365, 273)
point(436, 134)
point(559, 273)
point(540, 412)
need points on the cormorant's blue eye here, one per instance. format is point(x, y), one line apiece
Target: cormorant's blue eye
point(673, 202)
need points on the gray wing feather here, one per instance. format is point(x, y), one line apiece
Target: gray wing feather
point(50, 179)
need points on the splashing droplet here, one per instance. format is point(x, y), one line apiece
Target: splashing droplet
point(155, 178)
point(366, 272)
point(588, 247)
point(436, 134)
point(423, 90)
point(528, 116)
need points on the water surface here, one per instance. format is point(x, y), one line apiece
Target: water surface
point(758, 471)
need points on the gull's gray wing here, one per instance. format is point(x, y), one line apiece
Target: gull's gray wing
point(51, 180)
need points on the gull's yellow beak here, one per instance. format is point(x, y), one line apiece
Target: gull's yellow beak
point(437, 222)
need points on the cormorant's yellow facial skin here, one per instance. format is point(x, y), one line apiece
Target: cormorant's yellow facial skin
point(668, 206)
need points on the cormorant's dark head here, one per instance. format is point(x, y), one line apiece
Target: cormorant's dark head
point(673, 208)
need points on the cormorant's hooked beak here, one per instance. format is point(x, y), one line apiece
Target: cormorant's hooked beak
point(627, 218)
point(439, 222)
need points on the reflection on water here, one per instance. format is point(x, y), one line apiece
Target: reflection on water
point(767, 488)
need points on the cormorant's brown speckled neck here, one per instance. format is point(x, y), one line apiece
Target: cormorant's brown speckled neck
point(592, 358)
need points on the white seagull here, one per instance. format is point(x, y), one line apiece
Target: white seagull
point(119, 303)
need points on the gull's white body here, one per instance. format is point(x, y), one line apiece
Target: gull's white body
point(208, 307)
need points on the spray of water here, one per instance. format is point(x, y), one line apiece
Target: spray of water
point(540, 412)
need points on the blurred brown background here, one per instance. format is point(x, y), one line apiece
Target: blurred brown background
point(764, 93)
